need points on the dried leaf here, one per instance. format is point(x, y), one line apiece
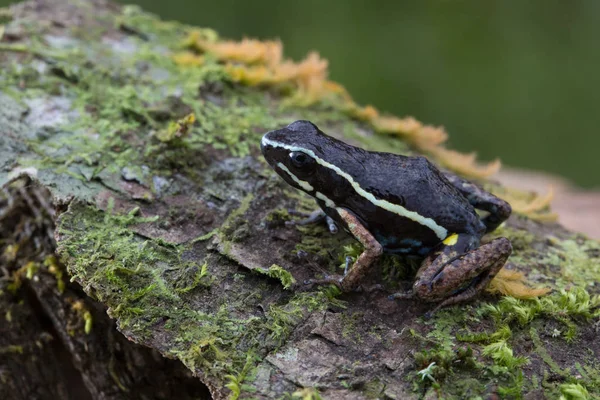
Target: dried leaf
point(189, 59)
point(367, 113)
point(247, 51)
point(252, 62)
point(513, 283)
point(464, 164)
point(529, 204)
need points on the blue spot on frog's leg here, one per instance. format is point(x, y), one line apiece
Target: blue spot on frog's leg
point(410, 243)
point(423, 251)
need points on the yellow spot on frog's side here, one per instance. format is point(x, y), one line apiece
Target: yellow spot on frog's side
point(451, 240)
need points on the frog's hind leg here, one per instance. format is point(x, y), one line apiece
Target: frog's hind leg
point(481, 281)
point(459, 270)
point(498, 209)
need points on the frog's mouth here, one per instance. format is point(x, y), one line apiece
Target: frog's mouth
point(295, 181)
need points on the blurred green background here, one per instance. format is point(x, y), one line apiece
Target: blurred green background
point(512, 79)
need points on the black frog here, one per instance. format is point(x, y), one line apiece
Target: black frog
point(396, 204)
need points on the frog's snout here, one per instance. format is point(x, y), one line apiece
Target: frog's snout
point(263, 143)
point(268, 148)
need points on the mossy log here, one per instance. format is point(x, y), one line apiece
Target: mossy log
point(133, 183)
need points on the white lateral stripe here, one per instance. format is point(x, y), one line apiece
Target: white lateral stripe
point(303, 184)
point(307, 186)
point(440, 231)
point(328, 202)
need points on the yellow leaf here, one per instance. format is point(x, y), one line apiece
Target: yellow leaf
point(513, 283)
point(464, 164)
point(188, 59)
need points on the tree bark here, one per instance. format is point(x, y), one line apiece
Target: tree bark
point(172, 229)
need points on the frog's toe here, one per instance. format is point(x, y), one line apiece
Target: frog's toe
point(373, 288)
point(402, 295)
point(331, 225)
point(327, 280)
point(347, 264)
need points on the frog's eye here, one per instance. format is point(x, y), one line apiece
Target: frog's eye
point(301, 160)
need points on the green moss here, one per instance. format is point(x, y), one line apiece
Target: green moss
point(277, 217)
point(15, 349)
point(502, 355)
point(563, 306)
point(109, 253)
point(275, 271)
point(519, 238)
point(573, 391)
point(88, 322)
point(281, 318)
point(113, 106)
point(349, 323)
point(578, 260)
point(306, 394)
point(126, 271)
point(543, 353)
point(201, 277)
point(205, 236)
point(233, 228)
point(315, 240)
point(54, 267)
point(434, 366)
point(27, 271)
point(176, 129)
point(236, 382)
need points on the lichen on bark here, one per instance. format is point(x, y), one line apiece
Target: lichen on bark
point(167, 218)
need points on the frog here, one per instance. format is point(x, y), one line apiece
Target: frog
point(396, 204)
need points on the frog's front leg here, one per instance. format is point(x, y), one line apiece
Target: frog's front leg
point(458, 270)
point(312, 218)
point(499, 210)
point(372, 250)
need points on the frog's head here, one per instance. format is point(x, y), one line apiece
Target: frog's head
point(307, 159)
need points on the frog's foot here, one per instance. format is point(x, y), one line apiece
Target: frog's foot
point(402, 295)
point(312, 218)
point(460, 277)
point(353, 275)
point(498, 209)
point(372, 288)
point(327, 280)
point(338, 281)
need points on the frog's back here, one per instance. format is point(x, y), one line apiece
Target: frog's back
point(422, 196)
